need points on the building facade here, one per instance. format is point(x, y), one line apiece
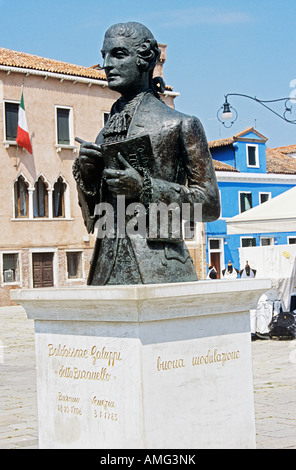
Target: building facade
point(248, 174)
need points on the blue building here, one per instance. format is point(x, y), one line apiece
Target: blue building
point(248, 174)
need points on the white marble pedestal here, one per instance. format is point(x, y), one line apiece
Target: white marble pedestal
point(165, 366)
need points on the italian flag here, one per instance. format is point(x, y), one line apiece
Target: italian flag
point(22, 138)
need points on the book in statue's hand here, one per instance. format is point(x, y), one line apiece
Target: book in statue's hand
point(137, 151)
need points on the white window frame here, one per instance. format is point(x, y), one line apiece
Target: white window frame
point(50, 190)
point(267, 238)
point(75, 279)
point(256, 156)
point(246, 238)
point(71, 129)
point(217, 250)
point(14, 283)
point(198, 234)
point(220, 196)
point(7, 143)
point(288, 239)
point(264, 192)
point(67, 201)
point(239, 199)
point(30, 199)
point(103, 117)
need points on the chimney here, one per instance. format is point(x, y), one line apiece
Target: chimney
point(158, 71)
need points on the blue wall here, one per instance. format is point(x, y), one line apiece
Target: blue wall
point(241, 157)
point(224, 154)
point(230, 194)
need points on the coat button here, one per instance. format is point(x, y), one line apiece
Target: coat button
point(110, 253)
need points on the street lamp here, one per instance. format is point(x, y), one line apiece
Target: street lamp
point(227, 115)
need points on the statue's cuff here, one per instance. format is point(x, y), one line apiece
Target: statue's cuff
point(90, 192)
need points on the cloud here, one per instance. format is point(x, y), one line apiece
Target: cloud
point(199, 16)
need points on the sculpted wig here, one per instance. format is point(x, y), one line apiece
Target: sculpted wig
point(146, 46)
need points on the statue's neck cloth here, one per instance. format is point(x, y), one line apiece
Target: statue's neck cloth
point(120, 117)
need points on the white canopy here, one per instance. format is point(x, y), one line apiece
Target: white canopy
point(276, 215)
point(274, 262)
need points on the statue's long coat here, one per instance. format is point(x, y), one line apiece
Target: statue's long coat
point(182, 172)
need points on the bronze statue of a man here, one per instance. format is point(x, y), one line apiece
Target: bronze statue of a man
point(179, 169)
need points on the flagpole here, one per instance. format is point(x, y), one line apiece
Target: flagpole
point(17, 146)
point(16, 155)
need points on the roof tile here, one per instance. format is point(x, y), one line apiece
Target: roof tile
point(280, 163)
point(12, 58)
point(221, 166)
point(234, 138)
point(24, 60)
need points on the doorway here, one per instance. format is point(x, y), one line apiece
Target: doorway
point(42, 269)
point(215, 261)
point(216, 254)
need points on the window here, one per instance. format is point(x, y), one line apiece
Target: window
point(63, 126)
point(291, 240)
point(190, 230)
point(10, 267)
point(263, 197)
point(74, 264)
point(245, 200)
point(21, 198)
point(40, 199)
point(11, 120)
point(252, 156)
point(59, 198)
point(105, 117)
point(215, 244)
point(266, 241)
point(247, 242)
point(64, 123)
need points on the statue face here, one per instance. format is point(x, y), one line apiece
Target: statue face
point(120, 64)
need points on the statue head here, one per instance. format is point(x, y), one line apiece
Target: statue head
point(130, 54)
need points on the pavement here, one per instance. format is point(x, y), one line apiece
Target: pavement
point(274, 374)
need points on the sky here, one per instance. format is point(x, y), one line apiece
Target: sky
point(214, 47)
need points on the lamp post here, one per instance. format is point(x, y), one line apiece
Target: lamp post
point(227, 115)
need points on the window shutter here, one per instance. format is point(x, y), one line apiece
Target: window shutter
point(63, 126)
point(58, 199)
point(40, 199)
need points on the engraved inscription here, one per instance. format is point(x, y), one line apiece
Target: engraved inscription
point(214, 356)
point(104, 409)
point(68, 408)
point(110, 356)
point(170, 364)
point(82, 374)
point(67, 398)
point(95, 353)
point(64, 351)
point(211, 357)
point(100, 363)
point(92, 364)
